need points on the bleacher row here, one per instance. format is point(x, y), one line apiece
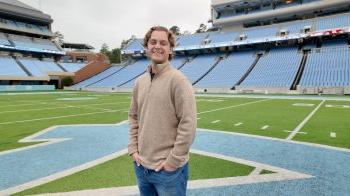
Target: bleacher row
point(315, 24)
point(23, 67)
point(21, 26)
point(27, 43)
point(264, 7)
point(275, 68)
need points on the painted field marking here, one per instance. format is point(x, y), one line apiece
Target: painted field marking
point(304, 104)
point(333, 135)
point(337, 106)
point(233, 106)
point(301, 125)
point(215, 121)
point(76, 98)
point(37, 109)
point(238, 124)
point(57, 117)
point(210, 100)
point(29, 104)
point(265, 127)
point(256, 171)
point(300, 132)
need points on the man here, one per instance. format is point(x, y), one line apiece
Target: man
point(162, 119)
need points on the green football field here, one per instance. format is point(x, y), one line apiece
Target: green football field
point(318, 121)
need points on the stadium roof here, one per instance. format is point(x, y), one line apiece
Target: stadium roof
point(76, 46)
point(17, 9)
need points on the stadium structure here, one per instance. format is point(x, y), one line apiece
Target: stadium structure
point(30, 59)
point(258, 46)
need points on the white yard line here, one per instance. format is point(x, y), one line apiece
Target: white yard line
point(4, 106)
point(37, 109)
point(300, 132)
point(233, 106)
point(256, 171)
point(62, 174)
point(238, 124)
point(301, 125)
point(215, 121)
point(265, 127)
point(57, 117)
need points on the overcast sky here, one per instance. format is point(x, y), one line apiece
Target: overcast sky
point(110, 21)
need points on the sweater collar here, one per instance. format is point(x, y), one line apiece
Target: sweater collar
point(159, 68)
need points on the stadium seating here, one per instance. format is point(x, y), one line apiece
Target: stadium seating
point(224, 36)
point(338, 21)
point(176, 63)
point(330, 67)
point(276, 69)
point(123, 75)
point(136, 44)
point(297, 26)
point(72, 67)
point(9, 67)
point(261, 32)
point(40, 68)
point(111, 70)
point(33, 43)
point(228, 72)
point(192, 39)
point(3, 40)
point(198, 66)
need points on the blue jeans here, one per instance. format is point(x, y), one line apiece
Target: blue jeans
point(162, 183)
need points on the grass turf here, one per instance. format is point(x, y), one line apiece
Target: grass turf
point(119, 172)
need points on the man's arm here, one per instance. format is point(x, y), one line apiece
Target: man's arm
point(133, 123)
point(186, 112)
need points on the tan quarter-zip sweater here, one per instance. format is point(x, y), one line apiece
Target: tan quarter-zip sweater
point(162, 117)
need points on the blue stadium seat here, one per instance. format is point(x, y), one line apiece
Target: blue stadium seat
point(224, 36)
point(72, 67)
point(328, 68)
point(198, 66)
point(261, 32)
point(337, 21)
point(9, 67)
point(98, 77)
point(123, 75)
point(228, 71)
point(176, 62)
point(193, 39)
point(276, 69)
point(136, 44)
point(3, 40)
point(40, 68)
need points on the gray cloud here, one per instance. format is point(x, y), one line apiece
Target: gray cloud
point(110, 21)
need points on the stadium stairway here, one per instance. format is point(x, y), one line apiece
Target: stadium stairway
point(300, 71)
point(60, 66)
point(220, 58)
point(257, 58)
point(22, 66)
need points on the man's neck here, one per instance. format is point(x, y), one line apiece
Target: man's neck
point(156, 66)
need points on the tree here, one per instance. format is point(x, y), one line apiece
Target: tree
point(104, 49)
point(58, 38)
point(113, 55)
point(175, 30)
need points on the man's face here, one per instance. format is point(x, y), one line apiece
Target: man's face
point(158, 47)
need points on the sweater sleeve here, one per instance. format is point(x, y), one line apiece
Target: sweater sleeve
point(186, 112)
point(133, 123)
